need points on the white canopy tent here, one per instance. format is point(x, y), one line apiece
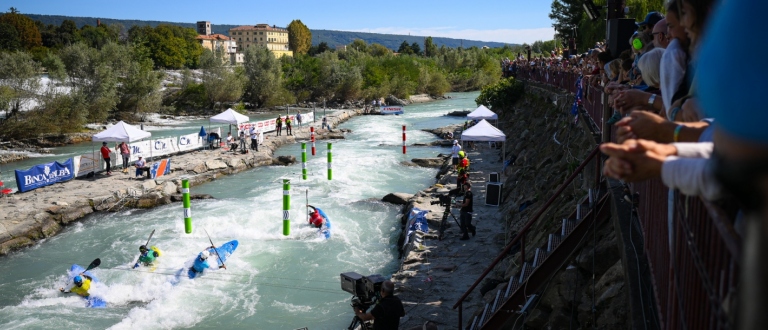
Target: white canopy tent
point(483, 113)
point(120, 132)
point(231, 117)
point(485, 132)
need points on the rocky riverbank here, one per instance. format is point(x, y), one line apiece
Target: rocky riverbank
point(433, 273)
point(41, 213)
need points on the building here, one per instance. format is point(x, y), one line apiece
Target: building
point(272, 37)
point(204, 28)
point(214, 42)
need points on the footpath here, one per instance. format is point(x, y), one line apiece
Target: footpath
point(35, 215)
point(435, 273)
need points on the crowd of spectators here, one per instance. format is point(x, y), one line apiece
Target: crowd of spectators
point(691, 114)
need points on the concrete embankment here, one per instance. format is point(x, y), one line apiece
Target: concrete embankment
point(28, 217)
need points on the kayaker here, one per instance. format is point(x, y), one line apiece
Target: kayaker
point(147, 257)
point(201, 262)
point(315, 219)
point(81, 287)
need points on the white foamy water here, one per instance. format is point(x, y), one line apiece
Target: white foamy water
point(271, 281)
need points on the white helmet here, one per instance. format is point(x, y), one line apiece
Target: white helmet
point(455, 141)
point(204, 255)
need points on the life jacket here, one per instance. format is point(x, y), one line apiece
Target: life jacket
point(464, 163)
point(149, 257)
point(288, 121)
point(279, 121)
point(316, 219)
point(83, 289)
point(200, 265)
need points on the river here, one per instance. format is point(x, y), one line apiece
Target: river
point(272, 281)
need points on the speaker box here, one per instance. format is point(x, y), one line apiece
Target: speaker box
point(493, 177)
point(493, 194)
point(617, 34)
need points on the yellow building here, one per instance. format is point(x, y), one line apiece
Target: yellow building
point(221, 42)
point(272, 37)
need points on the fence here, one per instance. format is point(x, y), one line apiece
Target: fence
point(690, 244)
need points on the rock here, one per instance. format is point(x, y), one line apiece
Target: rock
point(462, 113)
point(198, 168)
point(75, 213)
point(169, 188)
point(59, 203)
point(13, 244)
point(392, 100)
point(215, 164)
point(428, 162)
point(397, 198)
point(149, 185)
point(180, 197)
point(537, 318)
point(50, 228)
point(284, 160)
point(151, 200)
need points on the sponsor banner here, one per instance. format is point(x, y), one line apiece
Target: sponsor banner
point(164, 146)
point(190, 142)
point(391, 110)
point(160, 168)
point(87, 163)
point(270, 125)
point(44, 175)
point(140, 149)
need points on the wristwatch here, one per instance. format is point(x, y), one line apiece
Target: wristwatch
point(651, 99)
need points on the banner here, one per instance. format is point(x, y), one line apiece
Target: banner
point(190, 142)
point(140, 149)
point(44, 175)
point(86, 163)
point(164, 146)
point(270, 125)
point(160, 168)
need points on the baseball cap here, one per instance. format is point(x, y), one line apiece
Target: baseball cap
point(652, 18)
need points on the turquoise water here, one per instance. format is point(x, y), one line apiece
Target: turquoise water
point(272, 281)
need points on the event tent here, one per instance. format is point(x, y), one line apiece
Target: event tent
point(121, 132)
point(485, 132)
point(482, 113)
point(229, 117)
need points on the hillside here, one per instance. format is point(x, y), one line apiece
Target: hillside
point(331, 37)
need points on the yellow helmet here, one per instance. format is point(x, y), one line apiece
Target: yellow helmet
point(461, 154)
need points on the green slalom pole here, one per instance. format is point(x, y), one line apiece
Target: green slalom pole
point(286, 207)
point(304, 160)
point(330, 157)
point(187, 208)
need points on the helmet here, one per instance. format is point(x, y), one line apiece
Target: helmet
point(455, 141)
point(143, 248)
point(461, 153)
point(204, 255)
point(78, 280)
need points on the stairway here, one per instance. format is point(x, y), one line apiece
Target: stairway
point(542, 265)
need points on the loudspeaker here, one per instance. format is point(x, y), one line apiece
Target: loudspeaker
point(493, 177)
point(493, 194)
point(618, 33)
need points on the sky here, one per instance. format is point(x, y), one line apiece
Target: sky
point(510, 21)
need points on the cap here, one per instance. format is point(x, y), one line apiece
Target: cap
point(652, 18)
point(455, 141)
point(660, 27)
point(104, 143)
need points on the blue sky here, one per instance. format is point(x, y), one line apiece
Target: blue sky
point(511, 21)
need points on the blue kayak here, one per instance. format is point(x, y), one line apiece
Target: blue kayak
point(324, 231)
point(224, 251)
point(92, 302)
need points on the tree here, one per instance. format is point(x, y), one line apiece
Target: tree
point(262, 70)
point(221, 83)
point(20, 74)
point(319, 49)
point(430, 49)
point(566, 15)
point(416, 48)
point(379, 50)
point(9, 37)
point(359, 45)
point(28, 33)
point(299, 37)
point(405, 48)
point(169, 46)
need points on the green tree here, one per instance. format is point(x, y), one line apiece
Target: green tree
point(222, 84)
point(566, 15)
point(20, 74)
point(27, 31)
point(320, 48)
point(359, 45)
point(416, 48)
point(502, 95)
point(430, 49)
point(169, 46)
point(299, 37)
point(9, 37)
point(55, 67)
point(379, 50)
point(264, 76)
point(405, 48)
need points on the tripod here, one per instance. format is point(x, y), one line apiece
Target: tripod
point(357, 323)
point(443, 220)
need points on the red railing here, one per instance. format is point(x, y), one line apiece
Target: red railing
point(692, 251)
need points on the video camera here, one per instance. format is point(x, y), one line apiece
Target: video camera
point(443, 200)
point(365, 289)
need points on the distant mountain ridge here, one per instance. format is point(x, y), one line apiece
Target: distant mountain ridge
point(331, 37)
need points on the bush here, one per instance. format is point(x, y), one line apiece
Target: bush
point(502, 95)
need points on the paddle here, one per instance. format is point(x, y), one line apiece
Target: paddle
point(95, 263)
point(148, 239)
point(307, 194)
point(214, 249)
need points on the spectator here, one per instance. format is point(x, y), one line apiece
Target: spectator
point(288, 123)
point(674, 61)
point(125, 153)
point(325, 124)
point(254, 139)
point(105, 154)
point(279, 125)
point(659, 34)
point(650, 64)
point(231, 142)
point(650, 21)
point(298, 117)
point(243, 148)
point(141, 167)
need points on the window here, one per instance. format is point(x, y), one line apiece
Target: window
point(261, 33)
point(246, 39)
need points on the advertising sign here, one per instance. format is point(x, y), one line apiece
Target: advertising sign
point(160, 168)
point(44, 175)
point(190, 142)
point(164, 146)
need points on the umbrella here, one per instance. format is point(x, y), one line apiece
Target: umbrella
point(202, 131)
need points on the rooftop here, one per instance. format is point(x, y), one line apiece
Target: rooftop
point(258, 27)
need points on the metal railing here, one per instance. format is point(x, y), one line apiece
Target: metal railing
point(520, 237)
point(693, 251)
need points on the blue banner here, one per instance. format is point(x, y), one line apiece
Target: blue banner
point(160, 168)
point(44, 175)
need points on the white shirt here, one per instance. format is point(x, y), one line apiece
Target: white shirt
point(455, 150)
point(140, 163)
point(253, 133)
point(229, 138)
point(673, 67)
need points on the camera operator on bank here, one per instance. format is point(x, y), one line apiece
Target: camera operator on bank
point(388, 310)
point(465, 214)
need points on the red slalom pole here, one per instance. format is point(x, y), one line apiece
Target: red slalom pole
point(403, 139)
point(312, 135)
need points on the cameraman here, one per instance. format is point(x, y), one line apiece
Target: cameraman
point(466, 212)
point(388, 310)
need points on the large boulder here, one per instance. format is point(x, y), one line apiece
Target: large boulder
point(284, 160)
point(397, 198)
point(462, 113)
point(428, 162)
point(392, 100)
